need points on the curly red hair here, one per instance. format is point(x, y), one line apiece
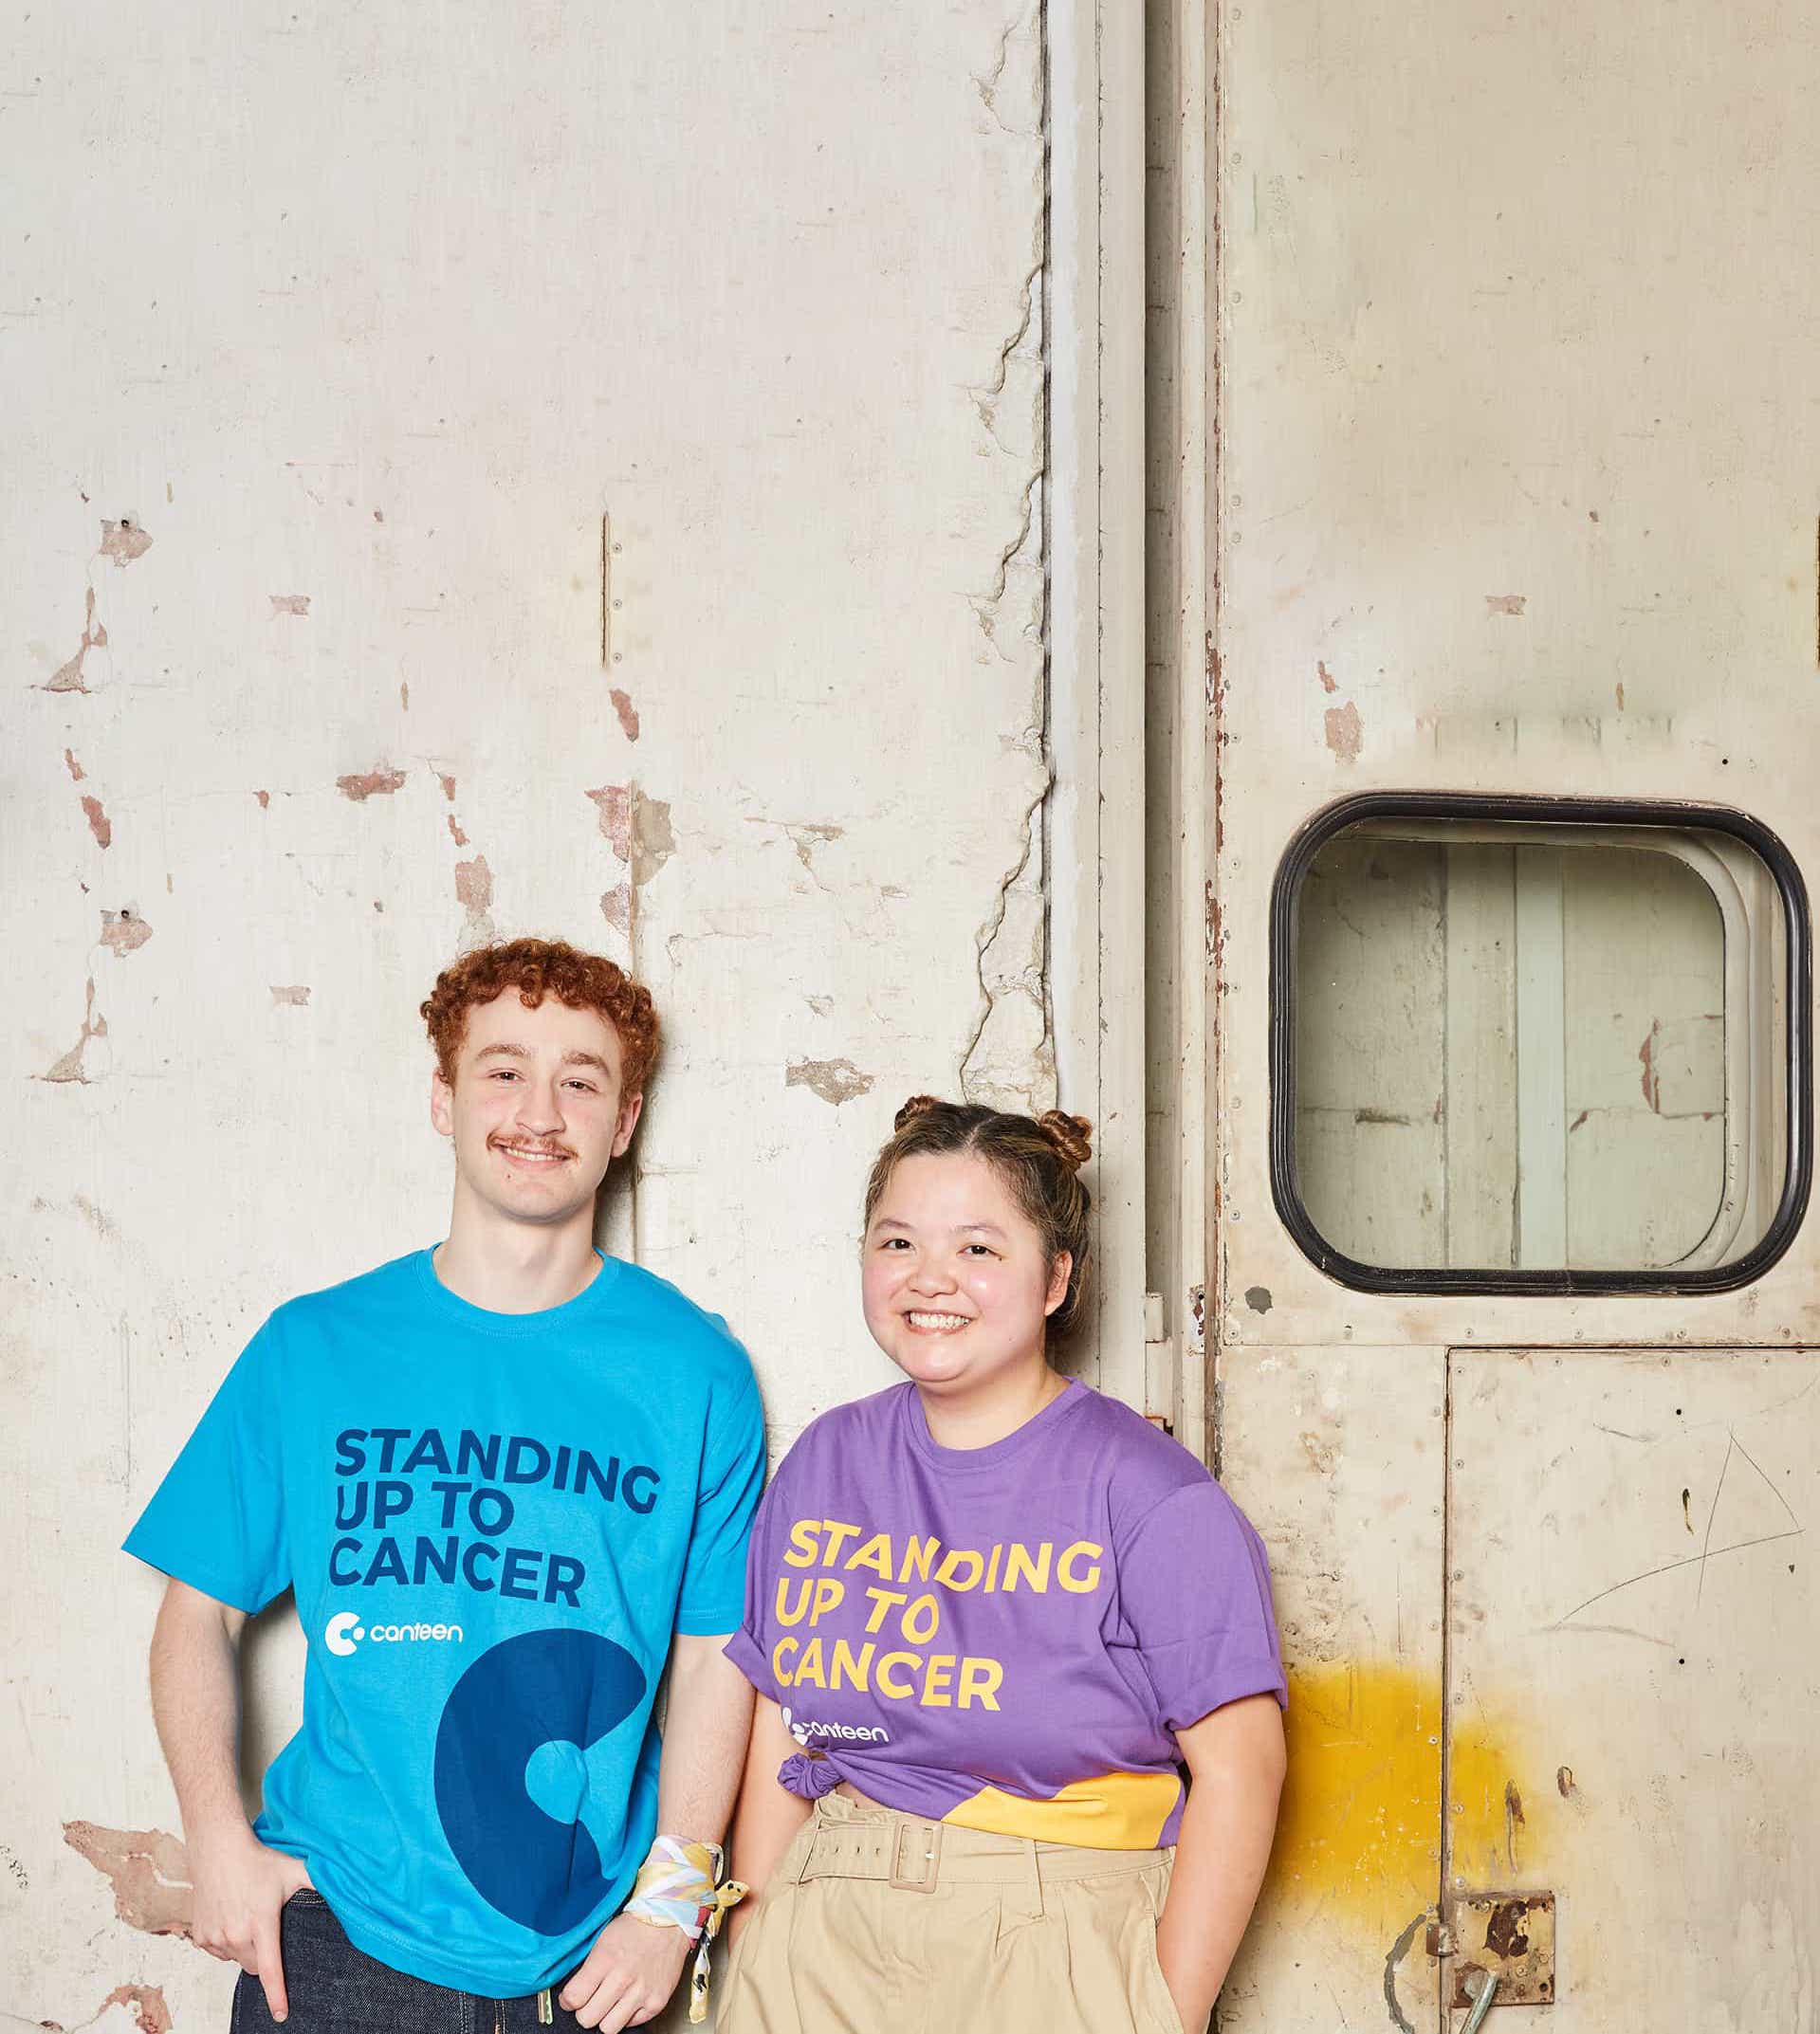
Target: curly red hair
point(537, 968)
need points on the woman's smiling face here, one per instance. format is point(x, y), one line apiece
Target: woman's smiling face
point(956, 1284)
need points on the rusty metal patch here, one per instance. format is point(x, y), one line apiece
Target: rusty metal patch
point(1510, 1935)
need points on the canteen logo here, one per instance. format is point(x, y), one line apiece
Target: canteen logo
point(345, 1632)
point(512, 1774)
point(803, 1731)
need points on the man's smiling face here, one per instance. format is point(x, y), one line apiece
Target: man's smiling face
point(536, 1109)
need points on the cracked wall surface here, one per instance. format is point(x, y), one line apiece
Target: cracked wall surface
point(598, 489)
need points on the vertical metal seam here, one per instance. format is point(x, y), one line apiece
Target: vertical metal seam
point(1444, 1891)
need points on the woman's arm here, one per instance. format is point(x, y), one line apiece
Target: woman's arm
point(1236, 1760)
point(766, 1818)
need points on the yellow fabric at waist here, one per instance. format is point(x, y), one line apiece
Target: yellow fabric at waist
point(1112, 1811)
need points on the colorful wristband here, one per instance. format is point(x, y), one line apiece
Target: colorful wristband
point(677, 1888)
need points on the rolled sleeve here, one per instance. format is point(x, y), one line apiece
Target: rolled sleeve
point(1194, 1592)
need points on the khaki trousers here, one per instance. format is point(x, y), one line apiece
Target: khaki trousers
point(878, 1923)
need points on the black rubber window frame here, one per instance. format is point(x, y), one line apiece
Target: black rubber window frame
point(1667, 815)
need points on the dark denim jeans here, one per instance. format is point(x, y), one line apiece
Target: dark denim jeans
point(334, 1988)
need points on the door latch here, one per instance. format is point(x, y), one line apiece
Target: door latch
point(1507, 1938)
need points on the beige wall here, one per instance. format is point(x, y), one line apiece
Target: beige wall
point(363, 321)
point(1515, 486)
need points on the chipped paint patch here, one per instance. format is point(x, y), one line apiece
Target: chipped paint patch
point(124, 541)
point(98, 823)
point(146, 2002)
point(1323, 1457)
point(1651, 1074)
point(123, 932)
point(833, 1080)
point(455, 832)
point(1328, 683)
point(265, 799)
point(148, 1869)
point(296, 993)
point(613, 802)
point(380, 784)
point(1506, 603)
point(616, 908)
point(474, 892)
point(1258, 1298)
point(637, 828)
point(69, 1068)
point(1514, 1821)
point(652, 840)
point(76, 771)
point(628, 713)
point(1345, 732)
point(807, 839)
point(446, 779)
point(68, 677)
point(290, 604)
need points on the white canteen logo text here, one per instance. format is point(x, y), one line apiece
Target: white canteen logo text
point(345, 1633)
point(805, 1731)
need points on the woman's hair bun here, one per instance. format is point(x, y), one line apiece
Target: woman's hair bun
point(918, 1105)
point(1072, 1136)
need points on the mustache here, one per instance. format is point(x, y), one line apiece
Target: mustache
point(530, 1143)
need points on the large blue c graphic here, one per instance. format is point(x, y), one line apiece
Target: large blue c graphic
point(541, 1688)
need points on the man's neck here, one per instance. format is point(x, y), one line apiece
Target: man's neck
point(510, 1267)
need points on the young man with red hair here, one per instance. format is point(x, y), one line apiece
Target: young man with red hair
point(509, 1479)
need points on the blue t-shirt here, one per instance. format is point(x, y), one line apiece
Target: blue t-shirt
point(493, 1523)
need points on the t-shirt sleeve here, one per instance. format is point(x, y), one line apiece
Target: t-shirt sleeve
point(749, 1648)
point(713, 1592)
point(217, 1520)
point(1194, 1589)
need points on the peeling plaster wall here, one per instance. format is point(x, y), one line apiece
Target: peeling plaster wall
point(562, 469)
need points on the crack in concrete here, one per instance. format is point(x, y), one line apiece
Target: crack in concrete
point(988, 397)
point(988, 86)
point(985, 605)
point(1009, 1059)
point(1032, 981)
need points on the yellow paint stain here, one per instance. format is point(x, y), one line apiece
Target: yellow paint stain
point(1360, 1825)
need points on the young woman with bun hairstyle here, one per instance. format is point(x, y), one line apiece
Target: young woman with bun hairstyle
point(1019, 1735)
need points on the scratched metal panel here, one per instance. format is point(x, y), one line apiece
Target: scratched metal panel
point(343, 351)
point(1634, 1618)
point(1517, 449)
point(1337, 1456)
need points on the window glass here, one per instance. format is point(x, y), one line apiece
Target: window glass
point(1528, 1047)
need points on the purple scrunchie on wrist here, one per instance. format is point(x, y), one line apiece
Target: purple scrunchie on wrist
point(809, 1775)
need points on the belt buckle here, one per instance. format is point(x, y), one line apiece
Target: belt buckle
point(918, 1846)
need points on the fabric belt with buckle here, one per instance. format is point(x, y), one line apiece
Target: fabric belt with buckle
point(916, 1856)
point(905, 1852)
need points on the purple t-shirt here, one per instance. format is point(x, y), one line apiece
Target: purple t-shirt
point(1005, 1638)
